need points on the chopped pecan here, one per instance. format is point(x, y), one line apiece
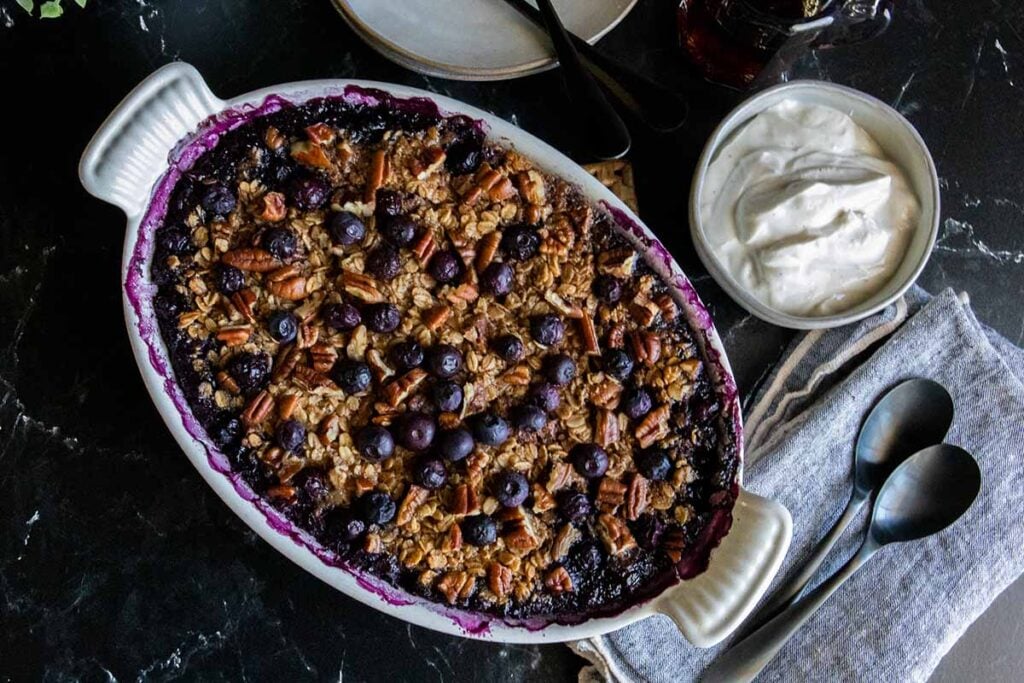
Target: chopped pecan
point(617, 262)
point(288, 469)
point(456, 585)
point(424, 247)
point(486, 249)
point(282, 492)
point(307, 335)
point(560, 304)
point(251, 259)
point(531, 186)
point(606, 427)
point(286, 405)
point(362, 485)
point(429, 162)
point(502, 190)
point(437, 316)
point(654, 427)
point(564, 541)
point(644, 310)
point(414, 498)
point(272, 455)
point(616, 337)
point(329, 430)
point(362, 287)
point(518, 376)
point(542, 500)
point(464, 292)
point(285, 363)
point(243, 300)
point(372, 544)
point(611, 493)
point(396, 392)
point(273, 207)
point(558, 580)
point(589, 333)
point(310, 154)
point(464, 500)
point(378, 174)
point(234, 335)
point(322, 356)
point(186, 319)
point(607, 394)
point(691, 366)
point(228, 382)
point(668, 307)
point(533, 214)
point(310, 379)
point(258, 408)
point(286, 283)
point(614, 534)
point(499, 580)
point(520, 536)
point(320, 133)
point(673, 542)
point(273, 138)
point(487, 178)
point(381, 370)
point(636, 497)
point(646, 346)
point(452, 539)
point(558, 477)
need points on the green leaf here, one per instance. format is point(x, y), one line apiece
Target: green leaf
point(81, 3)
point(50, 9)
point(27, 5)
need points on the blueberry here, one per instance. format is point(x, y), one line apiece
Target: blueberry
point(352, 376)
point(346, 228)
point(228, 432)
point(653, 463)
point(511, 488)
point(415, 431)
point(636, 403)
point(376, 507)
point(574, 506)
point(463, 155)
point(497, 279)
point(313, 482)
point(400, 230)
point(174, 239)
point(547, 329)
point(229, 279)
point(406, 355)
point(648, 530)
point(290, 435)
point(341, 317)
point(455, 444)
point(281, 242)
point(283, 326)
point(559, 369)
point(445, 267)
point(590, 460)
point(388, 204)
point(375, 443)
point(490, 429)
point(528, 418)
point(249, 370)
point(444, 361)
point(218, 200)
point(383, 263)
point(479, 530)
point(520, 242)
point(308, 193)
point(510, 348)
point(544, 396)
point(382, 317)
point(343, 525)
point(430, 473)
point(618, 364)
point(447, 396)
point(608, 289)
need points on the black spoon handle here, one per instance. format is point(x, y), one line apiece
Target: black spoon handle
point(656, 106)
point(605, 130)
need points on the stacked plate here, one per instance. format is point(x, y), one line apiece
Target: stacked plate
point(473, 40)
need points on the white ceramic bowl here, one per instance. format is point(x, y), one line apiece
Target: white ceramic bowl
point(168, 120)
point(902, 144)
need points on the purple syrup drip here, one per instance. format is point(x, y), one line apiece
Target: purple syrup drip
point(140, 294)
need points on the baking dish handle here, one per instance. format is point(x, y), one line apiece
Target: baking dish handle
point(712, 605)
point(130, 150)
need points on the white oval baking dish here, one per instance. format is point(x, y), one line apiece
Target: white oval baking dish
point(126, 164)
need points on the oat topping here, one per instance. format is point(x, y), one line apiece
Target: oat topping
point(439, 360)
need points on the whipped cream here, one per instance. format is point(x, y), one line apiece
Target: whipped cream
point(802, 208)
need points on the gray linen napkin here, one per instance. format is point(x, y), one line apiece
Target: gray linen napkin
point(896, 618)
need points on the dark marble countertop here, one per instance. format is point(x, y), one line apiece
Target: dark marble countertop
point(118, 563)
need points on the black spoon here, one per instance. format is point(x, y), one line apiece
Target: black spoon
point(604, 129)
point(656, 106)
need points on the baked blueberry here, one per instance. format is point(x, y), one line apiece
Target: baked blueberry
point(618, 364)
point(559, 369)
point(547, 329)
point(218, 200)
point(497, 279)
point(636, 402)
point(528, 418)
point(509, 347)
point(308, 192)
point(375, 443)
point(345, 228)
point(479, 530)
point(520, 242)
point(463, 156)
point(444, 361)
point(175, 240)
point(415, 431)
point(342, 525)
point(647, 531)
point(383, 263)
point(229, 278)
point(249, 370)
point(589, 459)
point(574, 506)
point(341, 317)
point(376, 507)
point(454, 444)
point(282, 326)
point(430, 473)
point(511, 488)
point(352, 376)
point(447, 396)
point(281, 242)
point(406, 355)
point(653, 463)
point(382, 317)
point(490, 429)
point(227, 431)
point(544, 396)
point(608, 288)
point(290, 435)
point(388, 204)
point(399, 230)
point(445, 267)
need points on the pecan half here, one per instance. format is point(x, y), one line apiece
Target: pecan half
point(607, 394)
point(310, 154)
point(258, 408)
point(614, 534)
point(329, 430)
point(424, 247)
point(234, 335)
point(499, 580)
point(243, 300)
point(616, 336)
point(464, 500)
point(362, 287)
point(456, 585)
point(378, 174)
point(285, 363)
point(452, 539)
point(502, 190)
point(251, 259)
point(273, 138)
point(437, 316)
point(542, 500)
point(322, 356)
point(286, 405)
point(307, 335)
point(226, 381)
point(429, 162)
point(486, 249)
point(668, 307)
point(414, 498)
point(611, 493)
point(320, 133)
point(558, 477)
point(519, 376)
point(644, 310)
point(273, 207)
point(464, 292)
point(654, 427)
point(646, 346)
point(606, 427)
point(636, 497)
point(564, 541)
point(310, 379)
point(589, 333)
point(286, 283)
point(617, 262)
point(673, 542)
point(396, 392)
point(558, 580)
point(520, 536)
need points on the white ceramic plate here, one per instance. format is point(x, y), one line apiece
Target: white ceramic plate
point(472, 39)
point(163, 125)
